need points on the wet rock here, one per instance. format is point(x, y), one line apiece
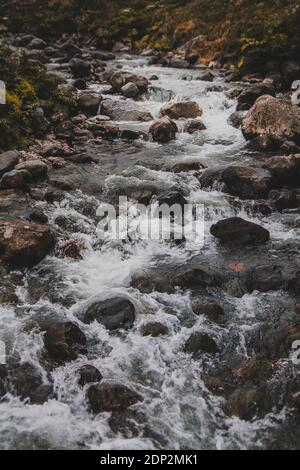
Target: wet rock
point(36, 168)
point(212, 177)
point(194, 126)
point(16, 179)
point(80, 84)
point(27, 383)
point(289, 147)
point(195, 278)
point(7, 298)
point(120, 110)
point(38, 216)
point(129, 134)
point(200, 343)
point(37, 44)
point(80, 68)
point(154, 329)
point(111, 398)
point(176, 63)
point(246, 182)
point(106, 130)
point(294, 284)
point(285, 170)
point(279, 342)
point(119, 80)
point(183, 109)
point(249, 404)
point(130, 90)
point(209, 308)
point(274, 117)
point(88, 374)
point(291, 71)
point(8, 160)
point(238, 231)
point(265, 278)
point(72, 249)
point(3, 377)
point(24, 244)
point(206, 77)
point(263, 143)
point(89, 103)
point(54, 150)
point(236, 118)
point(248, 97)
point(284, 199)
point(70, 49)
point(64, 342)
point(164, 130)
point(113, 314)
point(185, 167)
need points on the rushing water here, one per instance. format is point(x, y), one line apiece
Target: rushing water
point(178, 410)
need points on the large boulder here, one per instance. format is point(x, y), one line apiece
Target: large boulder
point(64, 342)
point(238, 231)
point(120, 79)
point(15, 179)
point(89, 103)
point(8, 160)
point(248, 97)
point(114, 313)
point(106, 397)
point(164, 130)
point(183, 109)
point(36, 168)
point(246, 182)
point(80, 68)
point(88, 374)
point(120, 110)
point(24, 244)
point(285, 170)
point(130, 90)
point(274, 117)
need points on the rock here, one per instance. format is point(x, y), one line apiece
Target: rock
point(119, 110)
point(37, 169)
point(154, 78)
point(16, 179)
point(291, 71)
point(192, 57)
point(212, 177)
point(70, 49)
point(236, 118)
point(88, 374)
point(249, 404)
point(212, 310)
point(154, 329)
point(72, 249)
point(64, 130)
point(111, 398)
point(80, 84)
point(248, 97)
point(158, 94)
point(107, 130)
point(279, 341)
point(64, 342)
point(238, 231)
point(273, 117)
point(206, 77)
point(54, 150)
point(89, 103)
point(247, 182)
point(284, 199)
point(200, 343)
point(8, 160)
point(80, 68)
point(38, 216)
point(194, 126)
point(129, 134)
point(285, 170)
point(113, 314)
point(183, 109)
point(265, 278)
point(263, 143)
point(195, 278)
point(121, 47)
point(186, 166)
point(24, 244)
point(27, 383)
point(36, 44)
point(130, 90)
point(119, 80)
point(164, 130)
point(176, 63)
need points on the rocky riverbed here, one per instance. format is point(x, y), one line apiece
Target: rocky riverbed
point(148, 344)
